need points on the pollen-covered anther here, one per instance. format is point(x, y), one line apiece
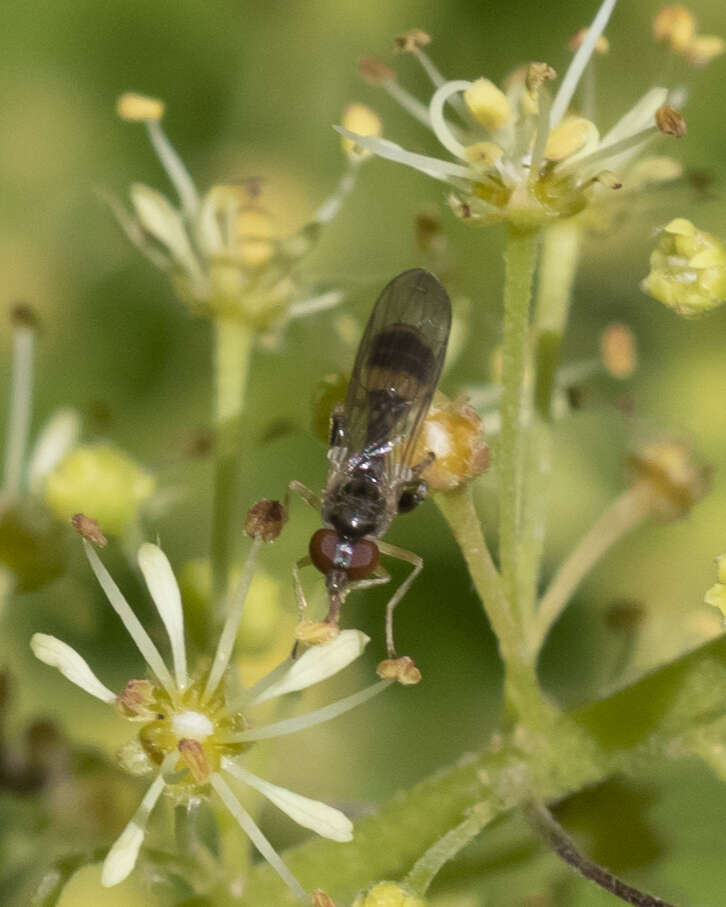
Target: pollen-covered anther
point(569, 137)
point(375, 71)
point(138, 108)
point(401, 669)
point(670, 121)
point(87, 527)
point(484, 154)
point(362, 120)
point(618, 350)
point(602, 45)
point(266, 519)
point(675, 25)
point(316, 632)
point(704, 48)
point(136, 700)
point(194, 758)
point(411, 41)
point(320, 898)
point(487, 104)
point(537, 75)
point(675, 481)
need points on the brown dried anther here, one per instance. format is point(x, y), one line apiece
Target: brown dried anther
point(89, 529)
point(375, 71)
point(411, 41)
point(670, 121)
point(402, 669)
point(265, 520)
point(194, 758)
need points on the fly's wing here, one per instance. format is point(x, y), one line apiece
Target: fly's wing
point(398, 366)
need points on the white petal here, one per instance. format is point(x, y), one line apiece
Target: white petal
point(164, 590)
point(134, 232)
point(123, 854)
point(431, 166)
point(315, 304)
point(247, 824)
point(122, 857)
point(640, 116)
point(318, 663)
point(56, 438)
point(324, 820)
point(165, 224)
point(60, 655)
point(209, 234)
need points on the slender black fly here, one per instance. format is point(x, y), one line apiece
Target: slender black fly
point(372, 475)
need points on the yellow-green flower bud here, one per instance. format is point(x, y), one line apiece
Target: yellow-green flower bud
point(687, 270)
point(101, 481)
point(389, 894)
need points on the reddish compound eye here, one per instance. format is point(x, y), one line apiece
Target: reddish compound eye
point(322, 550)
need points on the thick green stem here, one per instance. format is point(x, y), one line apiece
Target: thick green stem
point(522, 694)
point(558, 264)
point(520, 261)
point(623, 733)
point(626, 512)
point(233, 345)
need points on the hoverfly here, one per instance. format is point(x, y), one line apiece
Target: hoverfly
point(372, 475)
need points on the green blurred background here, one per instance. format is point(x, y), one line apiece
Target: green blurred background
point(252, 90)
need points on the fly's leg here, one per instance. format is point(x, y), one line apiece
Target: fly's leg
point(402, 669)
point(302, 602)
point(379, 578)
point(302, 491)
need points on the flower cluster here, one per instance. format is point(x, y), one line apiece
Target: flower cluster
point(221, 249)
point(193, 728)
point(517, 153)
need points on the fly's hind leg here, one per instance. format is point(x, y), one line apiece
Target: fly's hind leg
point(302, 491)
point(402, 669)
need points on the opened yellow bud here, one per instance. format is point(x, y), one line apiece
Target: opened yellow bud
point(703, 48)
point(137, 108)
point(487, 104)
point(484, 155)
point(687, 270)
point(100, 480)
point(675, 25)
point(570, 136)
point(362, 120)
point(389, 894)
point(452, 432)
point(602, 45)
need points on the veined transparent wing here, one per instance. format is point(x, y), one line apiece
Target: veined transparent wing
point(397, 367)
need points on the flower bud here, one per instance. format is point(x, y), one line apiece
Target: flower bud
point(98, 479)
point(389, 894)
point(687, 270)
point(452, 432)
point(487, 104)
point(362, 120)
point(674, 479)
point(675, 25)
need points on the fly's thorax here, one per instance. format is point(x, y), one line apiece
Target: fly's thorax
point(356, 503)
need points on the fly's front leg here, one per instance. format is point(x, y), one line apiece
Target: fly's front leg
point(402, 669)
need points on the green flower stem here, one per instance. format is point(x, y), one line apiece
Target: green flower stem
point(447, 847)
point(560, 256)
point(626, 512)
point(622, 733)
point(520, 262)
point(521, 689)
point(233, 346)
